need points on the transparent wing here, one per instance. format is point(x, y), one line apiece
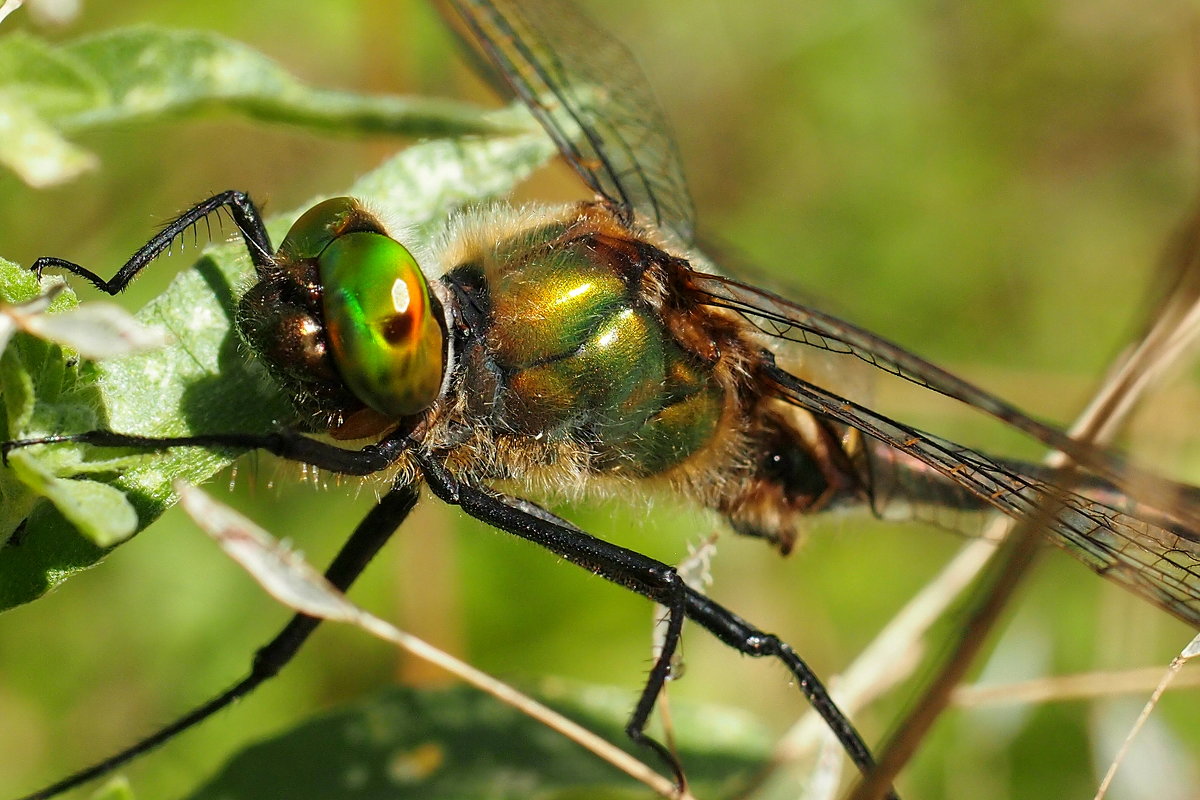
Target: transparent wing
point(587, 91)
point(1162, 564)
point(779, 318)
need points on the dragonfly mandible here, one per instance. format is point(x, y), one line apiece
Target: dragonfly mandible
point(708, 403)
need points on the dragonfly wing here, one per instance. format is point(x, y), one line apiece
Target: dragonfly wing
point(585, 88)
point(782, 319)
point(1160, 564)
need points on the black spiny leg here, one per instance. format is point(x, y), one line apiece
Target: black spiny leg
point(241, 208)
point(652, 579)
point(285, 444)
point(749, 640)
point(359, 549)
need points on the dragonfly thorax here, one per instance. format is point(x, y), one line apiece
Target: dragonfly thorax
point(566, 355)
point(584, 365)
point(345, 320)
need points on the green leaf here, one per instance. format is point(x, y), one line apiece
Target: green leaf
point(33, 149)
point(459, 743)
point(201, 382)
point(143, 73)
point(116, 789)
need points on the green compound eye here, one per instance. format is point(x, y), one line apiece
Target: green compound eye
point(385, 338)
point(321, 224)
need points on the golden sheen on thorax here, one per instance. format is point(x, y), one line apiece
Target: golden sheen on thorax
point(587, 357)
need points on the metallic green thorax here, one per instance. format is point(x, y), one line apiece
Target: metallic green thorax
point(585, 357)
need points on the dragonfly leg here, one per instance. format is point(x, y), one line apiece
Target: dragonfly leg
point(284, 443)
point(746, 638)
point(370, 535)
point(241, 208)
point(676, 613)
point(649, 578)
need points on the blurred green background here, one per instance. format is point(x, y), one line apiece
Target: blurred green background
point(989, 184)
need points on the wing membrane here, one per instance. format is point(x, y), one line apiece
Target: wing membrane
point(782, 319)
point(585, 88)
point(1161, 565)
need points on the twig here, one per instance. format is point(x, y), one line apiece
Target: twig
point(288, 578)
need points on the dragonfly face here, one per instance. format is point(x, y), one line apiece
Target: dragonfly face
point(346, 320)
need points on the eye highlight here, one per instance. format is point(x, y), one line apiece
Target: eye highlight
point(401, 296)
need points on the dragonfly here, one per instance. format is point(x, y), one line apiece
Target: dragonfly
point(586, 346)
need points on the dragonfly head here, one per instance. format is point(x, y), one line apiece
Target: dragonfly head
point(346, 317)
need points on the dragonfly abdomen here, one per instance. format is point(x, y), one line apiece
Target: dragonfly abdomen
point(796, 467)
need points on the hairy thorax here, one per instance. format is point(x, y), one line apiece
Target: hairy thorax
point(584, 364)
